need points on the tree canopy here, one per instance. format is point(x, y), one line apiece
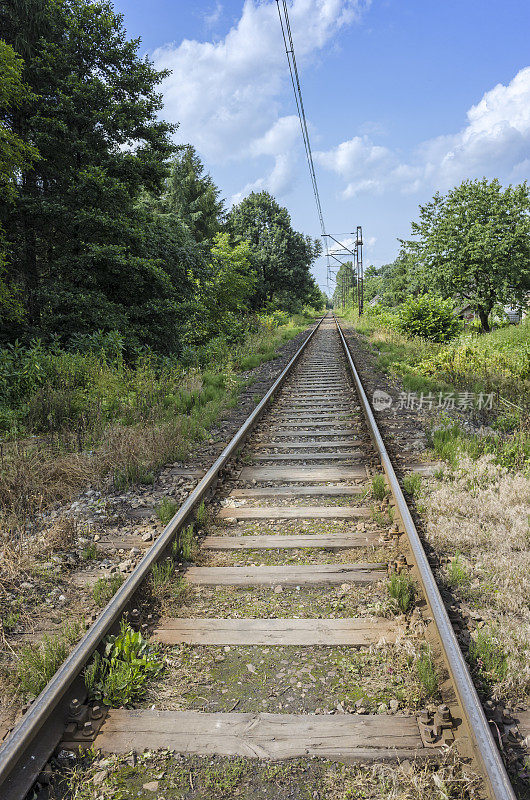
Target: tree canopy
point(473, 244)
point(281, 257)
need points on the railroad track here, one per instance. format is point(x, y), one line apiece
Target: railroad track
point(297, 522)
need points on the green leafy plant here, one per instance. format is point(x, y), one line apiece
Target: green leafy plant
point(122, 673)
point(412, 484)
point(167, 510)
point(104, 589)
point(187, 543)
point(429, 318)
point(379, 487)
point(426, 671)
point(401, 588)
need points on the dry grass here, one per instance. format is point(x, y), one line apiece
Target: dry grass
point(478, 516)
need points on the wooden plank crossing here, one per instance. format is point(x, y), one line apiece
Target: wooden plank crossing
point(307, 574)
point(304, 475)
point(294, 512)
point(366, 737)
point(285, 632)
point(332, 541)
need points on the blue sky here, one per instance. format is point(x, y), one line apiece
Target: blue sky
point(403, 98)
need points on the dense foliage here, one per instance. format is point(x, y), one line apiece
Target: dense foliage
point(430, 318)
point(471, 245)
point(108, 225)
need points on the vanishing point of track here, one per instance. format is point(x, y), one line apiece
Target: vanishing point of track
point(314, 447)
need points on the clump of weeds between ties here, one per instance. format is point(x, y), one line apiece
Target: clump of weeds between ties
point(121, 675)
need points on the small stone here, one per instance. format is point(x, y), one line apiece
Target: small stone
point(147, 537)
point(345, 587)
point(278, 589)
point(394, 705)
point(251, 668)
point(99, 777)
point(61, 598)
point(152, 786)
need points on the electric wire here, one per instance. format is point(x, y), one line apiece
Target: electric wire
point(295, 80)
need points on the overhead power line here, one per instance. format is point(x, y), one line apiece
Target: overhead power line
point(295, 80)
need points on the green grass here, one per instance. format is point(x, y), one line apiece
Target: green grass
point(167, 510)
point(39, 662)
point(379, 489)
point(412, 484)
point(427, 674)
point(104, 589)
point(402, 589)
point(201, 515)
point(90, 552)
point(456, 572)
point(488, 658)
point(510, 450)
point(162, 573)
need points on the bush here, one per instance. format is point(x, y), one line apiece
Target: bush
point(429, 318)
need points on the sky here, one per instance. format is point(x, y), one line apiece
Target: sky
point(403, 98)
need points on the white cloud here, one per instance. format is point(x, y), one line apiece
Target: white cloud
point(226, 95)
point(494, 142)
point(212, 17)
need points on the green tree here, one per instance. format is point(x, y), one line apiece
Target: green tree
point(222, 297)
point(193, 196)
point(15, 155)
point(345, 294)
point(281, 257)
point(473, 244)
point(78, 241)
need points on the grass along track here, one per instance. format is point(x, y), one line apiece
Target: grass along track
point(269, 677)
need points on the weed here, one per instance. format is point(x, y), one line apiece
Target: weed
point(402, 589)
point(187, 543)
point(412, 484)
point(201, 515)
point(90, 552)
point(104, 589)
point(132, 473)
point(456, 571)
point(121, 675)
point(167, 510)
point(39, 662)
point(379, 487)
point(10, 621)
point(162, 573)
point(488, 657)
point(427, 672)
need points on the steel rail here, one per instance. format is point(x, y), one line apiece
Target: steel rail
point(15, 752)
point(483, 743)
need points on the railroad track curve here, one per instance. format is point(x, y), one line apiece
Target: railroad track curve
point(291, 573)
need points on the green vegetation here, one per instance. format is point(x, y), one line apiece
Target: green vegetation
point(511, 450)
point(427, 672)
point(488, 658)
point(401, 588)
point(122, 674)
point(167, 510)
point(90, 552)
point(187, 543)
point(429, 317)
point(162, 573)
point(379, 489)
point(104, 589)
point(412, 484)
point(201, 515)
point(456, 572)
point(39, 662)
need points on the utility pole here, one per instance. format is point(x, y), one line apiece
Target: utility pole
point(360, 275)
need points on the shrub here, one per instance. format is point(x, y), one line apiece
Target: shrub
point(39, 662)
point(429, 318)
point(488, 657)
